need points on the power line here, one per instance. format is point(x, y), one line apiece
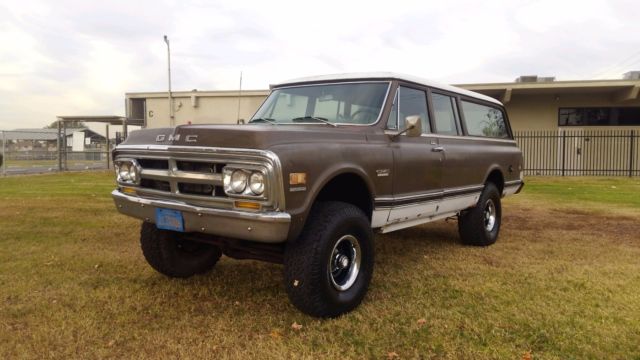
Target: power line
point(621, 65)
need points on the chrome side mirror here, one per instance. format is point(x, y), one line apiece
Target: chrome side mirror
point(413, 125)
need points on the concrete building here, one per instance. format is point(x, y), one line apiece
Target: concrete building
point(538, 103)
point(533, 103)
point(196, 107)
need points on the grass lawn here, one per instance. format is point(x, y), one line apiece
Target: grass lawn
point(563, 281)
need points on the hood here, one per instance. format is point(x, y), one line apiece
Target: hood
point(252, 136)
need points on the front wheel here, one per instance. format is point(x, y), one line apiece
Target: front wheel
point(171, 254)
point(480, 225)
point(328, 269)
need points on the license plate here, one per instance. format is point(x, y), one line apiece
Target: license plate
point(167, 219)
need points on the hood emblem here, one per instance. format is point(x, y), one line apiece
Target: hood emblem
point(188, 138)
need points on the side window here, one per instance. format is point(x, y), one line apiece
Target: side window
point(413, 102)
point(444, 111)
point(482, 120)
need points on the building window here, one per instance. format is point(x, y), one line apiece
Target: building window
point(482, 120)
point(599, 116)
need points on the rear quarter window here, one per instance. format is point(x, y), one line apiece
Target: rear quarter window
point(482, 120)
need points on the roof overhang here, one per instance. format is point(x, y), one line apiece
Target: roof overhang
point(187, 94)
point(617, 90)
point(109, 119)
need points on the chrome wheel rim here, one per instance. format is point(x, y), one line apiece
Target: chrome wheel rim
point(344, 262)
point(489, 215)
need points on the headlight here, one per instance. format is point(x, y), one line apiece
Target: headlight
point(238, 181)
point(241, 182)
point(134, 174)
point(256, 183)
point(127, 171)
point(123, 172)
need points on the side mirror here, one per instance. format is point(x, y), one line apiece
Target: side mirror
point(413, 125)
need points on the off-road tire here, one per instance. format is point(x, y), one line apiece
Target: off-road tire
point(170, 254)
point(306, 261)
point(472, 225)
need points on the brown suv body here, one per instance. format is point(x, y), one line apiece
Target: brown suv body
point(396, 178)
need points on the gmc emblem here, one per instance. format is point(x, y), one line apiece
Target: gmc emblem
point(171, 137)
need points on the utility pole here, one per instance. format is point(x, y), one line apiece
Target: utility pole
point(239, 96)
point(172, 120)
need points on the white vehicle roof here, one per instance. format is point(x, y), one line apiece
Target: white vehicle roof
point(388, 75)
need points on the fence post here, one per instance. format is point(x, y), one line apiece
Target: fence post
point(4, 153)
point(107, 144)
point(631, 152)
point(59, 144)
point(564, 151)
point(64, 146)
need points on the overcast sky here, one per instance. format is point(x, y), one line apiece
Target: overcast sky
point(80, 57)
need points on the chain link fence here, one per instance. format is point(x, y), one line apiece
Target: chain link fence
point(43, 150)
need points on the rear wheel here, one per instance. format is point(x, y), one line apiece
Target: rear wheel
point(172, 255)
point(328, 269)
point(480, 225)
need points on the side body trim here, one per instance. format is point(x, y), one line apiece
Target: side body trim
point(393, 214)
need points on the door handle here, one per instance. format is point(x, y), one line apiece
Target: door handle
point(438, 149)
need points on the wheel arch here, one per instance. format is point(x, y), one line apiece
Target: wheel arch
point(347, 184)
point(349, 187)
point(495, 176)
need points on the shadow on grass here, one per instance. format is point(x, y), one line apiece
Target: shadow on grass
point(258, 286)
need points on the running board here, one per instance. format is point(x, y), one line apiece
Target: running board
point(419, 221)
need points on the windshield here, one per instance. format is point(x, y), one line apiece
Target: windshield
point(349, 103)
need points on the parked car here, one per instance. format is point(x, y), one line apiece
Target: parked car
point(323, 164)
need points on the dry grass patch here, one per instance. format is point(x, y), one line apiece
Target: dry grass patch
point(562, 282)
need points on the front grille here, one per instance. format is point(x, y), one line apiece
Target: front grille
point(197, 180)
point(195, 175)
point(200, 167)
point(155, 185)
point(157, 164)
point(197, 189)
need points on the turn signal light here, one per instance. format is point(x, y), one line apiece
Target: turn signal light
point(128, 190)
point(247, 205)
point(297, 178)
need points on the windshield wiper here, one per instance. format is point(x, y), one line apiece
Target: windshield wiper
point(267, 120)
point(316, 118)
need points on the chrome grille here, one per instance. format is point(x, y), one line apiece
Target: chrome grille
point(193, 175)
point(186, 177)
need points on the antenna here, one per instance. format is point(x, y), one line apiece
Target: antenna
point(239, 97)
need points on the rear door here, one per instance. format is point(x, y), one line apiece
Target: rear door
point(417, 172)
point(461, 174)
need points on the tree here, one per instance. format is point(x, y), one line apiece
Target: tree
point(74, 124)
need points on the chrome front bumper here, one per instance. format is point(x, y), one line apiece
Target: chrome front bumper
point(265, 227)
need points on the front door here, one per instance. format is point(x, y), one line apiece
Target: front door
point(417, 173)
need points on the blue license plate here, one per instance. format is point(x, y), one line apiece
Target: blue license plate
point(167, 219)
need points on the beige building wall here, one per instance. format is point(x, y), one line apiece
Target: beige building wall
point(211, 107)
point(540, 111)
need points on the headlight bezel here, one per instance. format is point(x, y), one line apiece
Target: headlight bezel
point(128, 171)
point(247, 192)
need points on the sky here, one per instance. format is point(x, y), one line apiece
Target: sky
point(79, 57)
